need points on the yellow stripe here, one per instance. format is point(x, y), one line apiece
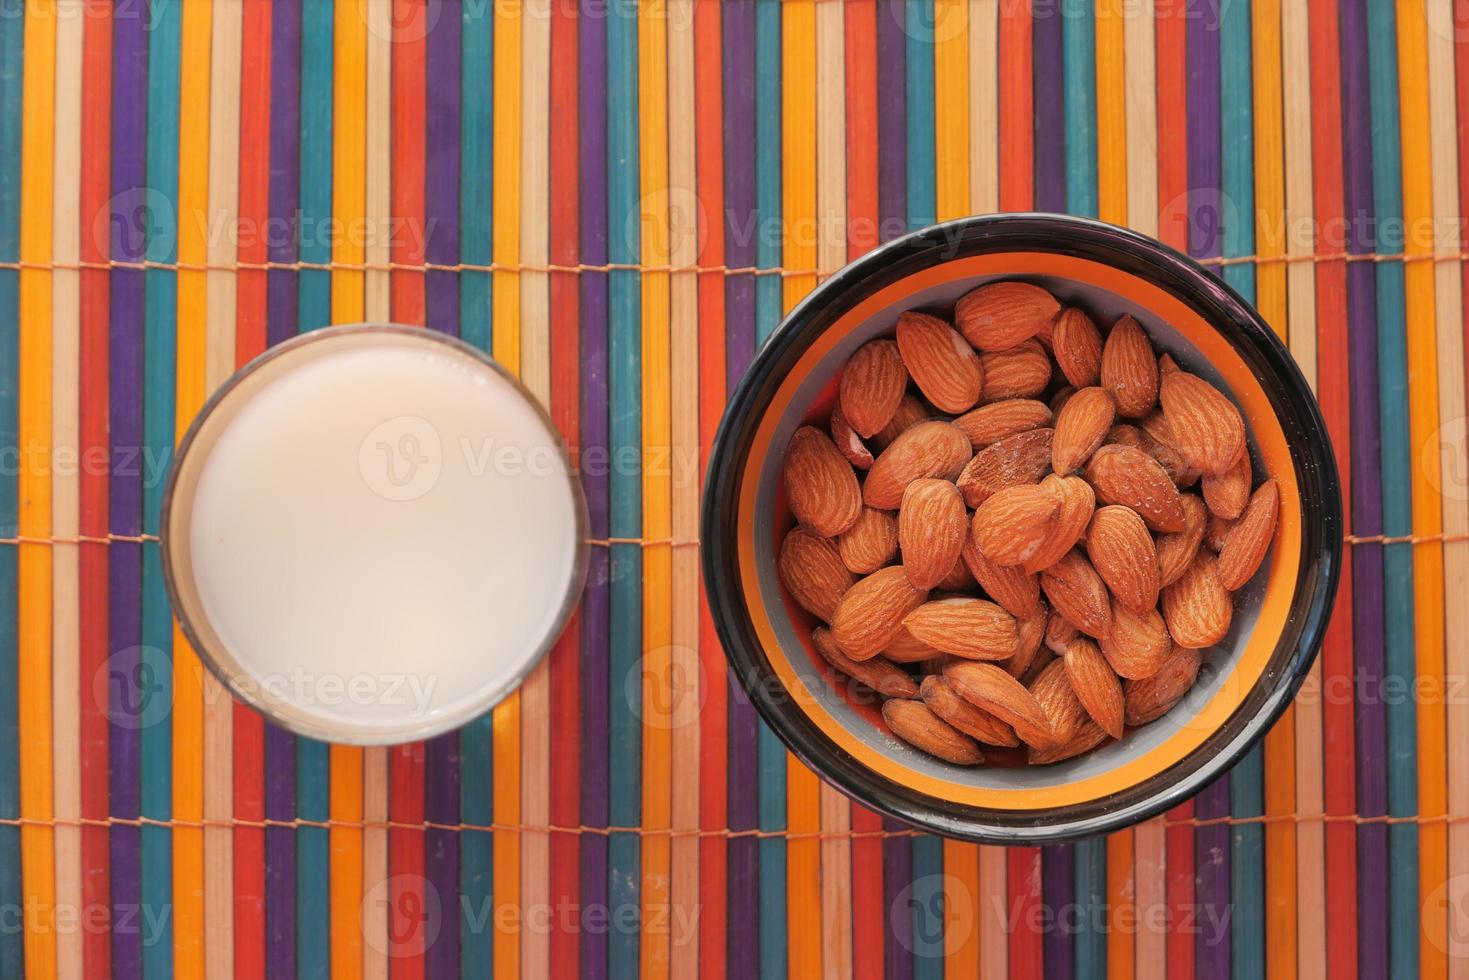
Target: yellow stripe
point(188, 703)
point(65, 601)
point(657, 523)
point(505, 304)
point(683, 471)
point(1449, 447)
point(1428, 597)
point(798, 210)
point(349, 143)
point(38, 874)
point(1111, 114)
point(535, 371)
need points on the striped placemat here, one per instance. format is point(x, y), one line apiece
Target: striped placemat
point(619, 200)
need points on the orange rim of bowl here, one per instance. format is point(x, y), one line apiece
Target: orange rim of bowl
point(1282, 571)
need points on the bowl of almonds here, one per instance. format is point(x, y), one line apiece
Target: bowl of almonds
point(1021, 528)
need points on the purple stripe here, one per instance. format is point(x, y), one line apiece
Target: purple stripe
point(1048, 81)
point(897, 877)
point(125, 669)
point(285, 153)
point(1367, 561)
point(441, 168)
point(441, 847)
point(1058, 885)
point(280, 853)
point(892, 120)
point(1211, 843)
point(596, 626)
point(742, 877)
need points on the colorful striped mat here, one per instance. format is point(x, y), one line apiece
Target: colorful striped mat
point(619, 200)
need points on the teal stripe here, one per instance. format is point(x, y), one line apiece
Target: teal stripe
point(1237, 165)
point(314, 289)
point(1397, 500)
point(160, 324)
point(1079, 45)
point(476, 247)
point(922, 195)
point(922, 186)
point(12, 48)
point(769, 308)
point(313, 299)
point(1079, 74)
point(476, 171)
point(625, 513)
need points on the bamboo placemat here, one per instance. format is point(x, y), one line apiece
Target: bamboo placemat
point(619, 201)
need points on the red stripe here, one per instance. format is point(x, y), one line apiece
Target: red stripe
point(410, 108)
point(1017, 116)
point(1027, 948)
point(95, 188)
point(407, 884)
point(250, 305)
point(709, 187)
point(565, 391)
point(1172, 81)
point(868, 927)
point(1334, 391)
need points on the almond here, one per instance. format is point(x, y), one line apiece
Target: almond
point(912, 722)
point(911, 411)
point(990, 423)
point(1206, 427)
point(932, 523)
point(1076, 344)
point(959, 578)
point(1129, 370)
point(991, 689)
point(1012, 524)
point(1158, 443)
point(1096, 686)
point(1020, 372)
point(872, 386)
point(812, 572)
point(1072, 517)
point(1128, 476)
point(1248, 541)
point(1078, 593)
point(820, 486)
point(1022, 458)
point(1018, 591)
point(975, 722)
point(870, 543)
point(1060, 398)
point(966, 627)
point(1153, 697)
point(1081, 426)
point(1216, 532)
point(1060, 631)
point(877, 673)
point(1136, 642)
point(1088, 737)
point(930, 448)
point(1064, 710)
point(1177, 549)
point(1227, 493)
point(999, 315)
point(1197, 607)
point(1030, 635)
point(1166, 364)
point(848, 443)
point(905, 648)
point(1121, 550)
point(871, 612)
point(940, 362)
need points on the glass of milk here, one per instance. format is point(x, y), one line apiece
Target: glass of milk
point(372, 534)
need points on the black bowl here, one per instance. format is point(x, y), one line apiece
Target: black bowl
point(1245, 682)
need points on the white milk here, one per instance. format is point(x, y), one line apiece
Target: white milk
point(383, 536)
